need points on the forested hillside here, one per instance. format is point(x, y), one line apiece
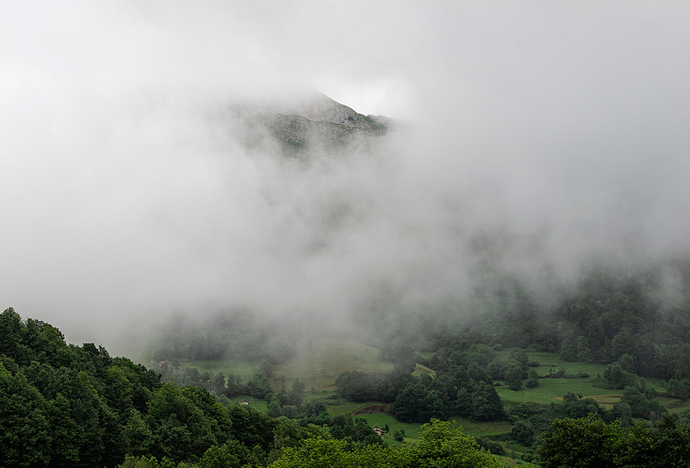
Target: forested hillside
point(640, 316)
point(641, 313)
point(69, 406)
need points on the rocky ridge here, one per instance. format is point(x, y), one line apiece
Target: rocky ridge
point(316, 121)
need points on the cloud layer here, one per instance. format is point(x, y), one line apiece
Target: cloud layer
point(535, 136)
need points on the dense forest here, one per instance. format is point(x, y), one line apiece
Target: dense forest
point(67, 405)
point(641, 313)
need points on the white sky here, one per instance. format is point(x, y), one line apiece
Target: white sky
point(121, 200)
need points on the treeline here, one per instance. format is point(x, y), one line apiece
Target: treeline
point(463, 384)
point(610, 315)
point(76, 406)
point(232, 334)
point(591, 441)
point(220, 384)
point(440, 445)
point(642, 313)
point(461, 387)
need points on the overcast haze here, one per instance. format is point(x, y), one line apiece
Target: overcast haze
point(558, 128)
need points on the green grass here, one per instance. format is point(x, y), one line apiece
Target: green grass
point(507, 461)
point(318, 367)
point(552, 390)
point(256, 403)
point(674, 405)
point(482, 428)
point(547, 360)
point(412, 430)
point(325, 361)
point(420, 369)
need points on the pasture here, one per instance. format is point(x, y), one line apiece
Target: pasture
point(325, 360)
point(256, 403)
point(552, 391)
point(674, 405)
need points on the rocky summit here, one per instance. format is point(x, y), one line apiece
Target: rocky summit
point(311, 122)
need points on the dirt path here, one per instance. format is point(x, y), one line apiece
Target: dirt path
point(371, 410)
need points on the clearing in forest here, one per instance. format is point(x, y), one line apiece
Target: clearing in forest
point(324, 360)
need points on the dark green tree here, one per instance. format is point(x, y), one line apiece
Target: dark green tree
point(514, 380)
point(25, 435)
point(586, 442)
point(486, 404)
point(584, 352)
point(569, 349)
point(523, 432)
point(520, 356)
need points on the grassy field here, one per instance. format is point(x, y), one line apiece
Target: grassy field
point(325, 361)
point(482, 428)
point(552, 390)
point(478, 429)
point(420, 369)
point(674, 405)
point(256, 403)
point(508, 461)
point(411, 430)
point(550, 360)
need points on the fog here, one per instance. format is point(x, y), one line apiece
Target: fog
point(531, 138)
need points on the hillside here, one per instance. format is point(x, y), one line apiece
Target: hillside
point(66, 405)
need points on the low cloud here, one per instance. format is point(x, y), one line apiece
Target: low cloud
point(530, 140)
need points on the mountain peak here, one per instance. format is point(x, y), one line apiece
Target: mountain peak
point(301, 122)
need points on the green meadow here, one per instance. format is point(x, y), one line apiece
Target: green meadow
point(257, 403)
point(327, 358)
point(552, 391)
point(674, 405)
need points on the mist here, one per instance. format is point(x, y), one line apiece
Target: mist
point(530, 139)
